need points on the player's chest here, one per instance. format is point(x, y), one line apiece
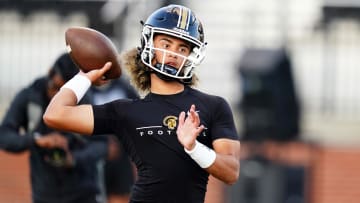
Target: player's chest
point(159, 119)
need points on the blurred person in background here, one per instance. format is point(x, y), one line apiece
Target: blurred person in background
point(64, 167)
point(119, 172)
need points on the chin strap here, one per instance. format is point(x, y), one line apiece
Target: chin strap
point(170, 70)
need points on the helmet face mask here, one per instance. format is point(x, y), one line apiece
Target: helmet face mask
point(179, 22)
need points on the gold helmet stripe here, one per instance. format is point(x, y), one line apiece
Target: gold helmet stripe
point(179, 19)
point(188, 19)
point(185, 14)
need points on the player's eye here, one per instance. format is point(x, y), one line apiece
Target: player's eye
point(184, 50)
point(165, 46)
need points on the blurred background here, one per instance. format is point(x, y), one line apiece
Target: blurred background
point(289, 69)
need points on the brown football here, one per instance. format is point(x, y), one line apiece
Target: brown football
point(91, 49)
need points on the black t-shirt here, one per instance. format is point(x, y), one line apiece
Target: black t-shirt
point(147, 128)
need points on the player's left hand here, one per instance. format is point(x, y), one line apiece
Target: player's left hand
point(189, 128)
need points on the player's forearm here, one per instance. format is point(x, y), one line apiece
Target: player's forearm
point(64, 114)
point(226, 168)
point(57, 109)
point(222, 162)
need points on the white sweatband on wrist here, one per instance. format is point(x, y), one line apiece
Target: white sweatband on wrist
point(79, 84)
point(202, 155)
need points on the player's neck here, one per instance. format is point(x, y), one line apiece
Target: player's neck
point(159, 86)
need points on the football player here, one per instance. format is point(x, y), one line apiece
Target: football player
point(176, 135)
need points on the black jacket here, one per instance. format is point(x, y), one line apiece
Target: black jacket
point(51, 183)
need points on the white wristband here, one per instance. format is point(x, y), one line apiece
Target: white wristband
point(79, 84)
point(202, 155)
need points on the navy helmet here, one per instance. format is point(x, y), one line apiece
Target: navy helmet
point(180, 22)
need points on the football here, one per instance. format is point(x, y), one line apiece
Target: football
point(90, 49)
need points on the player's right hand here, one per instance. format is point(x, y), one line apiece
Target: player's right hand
point(96, 76)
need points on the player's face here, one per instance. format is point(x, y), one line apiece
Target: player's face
point(170, 50)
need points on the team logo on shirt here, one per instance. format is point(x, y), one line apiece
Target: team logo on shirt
point(170, 122)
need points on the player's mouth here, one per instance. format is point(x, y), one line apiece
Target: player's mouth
point(172, 64)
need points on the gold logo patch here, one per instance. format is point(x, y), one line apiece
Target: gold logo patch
point(170, 122)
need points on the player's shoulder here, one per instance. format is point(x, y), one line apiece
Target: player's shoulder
point(203, 95)
point(117, 107)
point(212, 102)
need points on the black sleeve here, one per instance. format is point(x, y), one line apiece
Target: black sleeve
point(15, 119)
point(104, 119)
point(223, 125)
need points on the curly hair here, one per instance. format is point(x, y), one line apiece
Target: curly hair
point(139, 73)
